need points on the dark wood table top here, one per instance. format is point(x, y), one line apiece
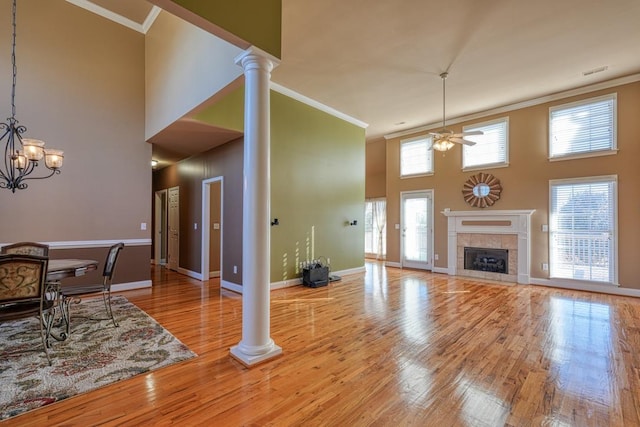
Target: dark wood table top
point(61, 268)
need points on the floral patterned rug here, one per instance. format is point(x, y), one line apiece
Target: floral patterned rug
point(95, 354)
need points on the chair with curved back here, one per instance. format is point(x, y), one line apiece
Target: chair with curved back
point(24, 293)
point(72, 293)
point(26, 248)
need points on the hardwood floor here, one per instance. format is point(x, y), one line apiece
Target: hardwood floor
point(392, 347)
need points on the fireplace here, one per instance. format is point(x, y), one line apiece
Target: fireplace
point(486, 259)
point(486, 231)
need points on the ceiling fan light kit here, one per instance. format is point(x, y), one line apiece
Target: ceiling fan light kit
point(446, 139)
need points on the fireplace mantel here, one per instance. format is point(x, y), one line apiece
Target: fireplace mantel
point(516, 222)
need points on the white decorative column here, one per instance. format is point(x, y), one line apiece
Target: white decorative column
point(256, 344)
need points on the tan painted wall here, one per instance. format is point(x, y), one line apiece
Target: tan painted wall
point(185, 66)
point(526, 181)
point(375, 169)
point(81, 89)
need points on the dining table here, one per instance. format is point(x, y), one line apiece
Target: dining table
point(57, 270)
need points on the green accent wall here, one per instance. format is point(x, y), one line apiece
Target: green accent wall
point(317, 188)
point(258, 22)
point(317, 183)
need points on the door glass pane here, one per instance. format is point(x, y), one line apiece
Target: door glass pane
point(415, 222)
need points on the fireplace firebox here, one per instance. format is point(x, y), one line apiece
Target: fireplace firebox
point(486, 259)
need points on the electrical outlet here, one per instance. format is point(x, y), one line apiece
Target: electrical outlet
point(436, 257)
point(143, 226)
point(235, 269)
point(545, 266)
point(329, 261)
point(545, 228)
point(195, 225)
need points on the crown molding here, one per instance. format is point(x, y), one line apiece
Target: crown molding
point(112, 16)
point(315, 104)
point(520, 105)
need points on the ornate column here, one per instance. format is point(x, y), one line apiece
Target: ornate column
point(256, 344)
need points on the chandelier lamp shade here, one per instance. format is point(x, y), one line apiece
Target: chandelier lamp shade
point(23, 157)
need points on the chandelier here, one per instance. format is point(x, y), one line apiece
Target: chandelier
point(21, 155)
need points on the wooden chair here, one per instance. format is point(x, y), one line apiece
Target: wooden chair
point(26, 248)
point(23, 292)
point(72, 293)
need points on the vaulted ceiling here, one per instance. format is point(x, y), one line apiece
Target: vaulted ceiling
point(380, 61)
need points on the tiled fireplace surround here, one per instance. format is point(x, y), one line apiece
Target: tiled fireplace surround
point(504, 229)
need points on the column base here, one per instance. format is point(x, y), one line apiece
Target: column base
point(250, 360)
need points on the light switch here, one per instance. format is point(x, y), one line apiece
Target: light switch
point(143, 226)
point(545, 228)
point(195, 225)
point(397, 226)
point(216, 226)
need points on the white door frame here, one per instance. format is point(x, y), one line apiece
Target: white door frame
point(206, 226)
point(173, 258)
point(160, 233)
point(430, 194)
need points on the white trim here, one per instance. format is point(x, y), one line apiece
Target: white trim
point(315, 104)
point(577, 285)
point(190, 273)
point(205, 235)
point(143, 284)
point(392, 264)
point(488, 213)
point(520, 105)
point(298, 280)
point(150, 19)
point(588, 154)
point(224, 284)
point(83, 244)
point(119, 19)
point(440, 270)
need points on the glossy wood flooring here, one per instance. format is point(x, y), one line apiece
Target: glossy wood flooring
point(391, 347)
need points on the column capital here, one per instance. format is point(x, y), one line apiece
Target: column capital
point(256, 58)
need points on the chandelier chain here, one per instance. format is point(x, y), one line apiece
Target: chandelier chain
point(13, 62)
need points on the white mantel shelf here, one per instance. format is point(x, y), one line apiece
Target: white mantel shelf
point(517, 222)
point(488, 213)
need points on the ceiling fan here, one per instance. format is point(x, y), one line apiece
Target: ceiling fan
point(445, 139)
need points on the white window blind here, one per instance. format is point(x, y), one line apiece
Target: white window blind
point(492, 148)
point(582, 229)
point(582, 127)
point(416, 156)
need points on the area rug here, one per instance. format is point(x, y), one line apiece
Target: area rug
point(95, 354)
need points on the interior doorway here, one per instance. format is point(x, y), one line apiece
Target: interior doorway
point(160, 228)
point(417, 229)
point(173, 246)
point(212, 227)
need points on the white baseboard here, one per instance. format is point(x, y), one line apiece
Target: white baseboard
point(393, 264)
point(131, 285)
point(443, 270)
point(190, 273)
point(231, 286)
point(298, 280)
point(587, 286)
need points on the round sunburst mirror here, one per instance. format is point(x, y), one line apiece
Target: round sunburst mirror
point(481, 190)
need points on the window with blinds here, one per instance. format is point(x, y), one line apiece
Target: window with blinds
point(582, 127)
point(492, 147)
point(416, 156)
point(582, 229)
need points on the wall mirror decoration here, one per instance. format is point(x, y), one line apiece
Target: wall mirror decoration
point(481, 190)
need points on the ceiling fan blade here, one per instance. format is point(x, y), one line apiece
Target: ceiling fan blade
point(436, 134)
point(462, 141)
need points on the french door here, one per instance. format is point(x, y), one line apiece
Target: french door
point(417, 229)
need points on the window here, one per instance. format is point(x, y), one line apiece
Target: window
point(492, 147)
point(582, 229)
point(583, 127)
point(375, 221)
point(416, 156)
